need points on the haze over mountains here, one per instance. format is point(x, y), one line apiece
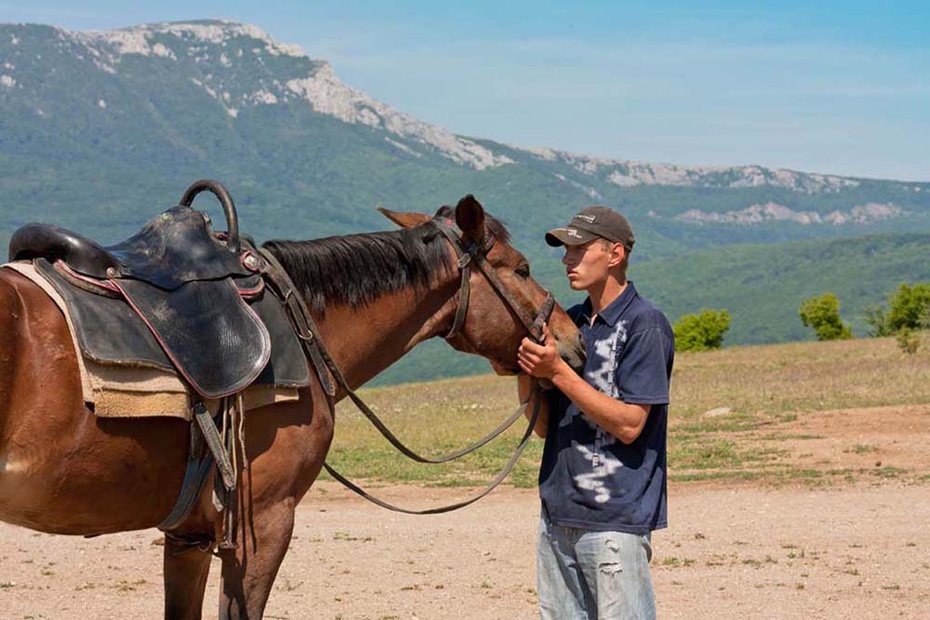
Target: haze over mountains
point(101, 130)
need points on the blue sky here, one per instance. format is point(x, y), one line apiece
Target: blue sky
point(830, 87)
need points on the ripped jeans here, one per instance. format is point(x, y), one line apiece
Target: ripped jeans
point(588, 575)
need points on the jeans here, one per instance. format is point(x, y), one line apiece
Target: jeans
point(588, 575)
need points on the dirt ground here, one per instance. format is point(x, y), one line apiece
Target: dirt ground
point(857, 547)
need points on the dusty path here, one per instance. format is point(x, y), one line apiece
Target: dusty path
point(731, 553)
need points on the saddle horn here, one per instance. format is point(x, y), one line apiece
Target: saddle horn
point(217, 189)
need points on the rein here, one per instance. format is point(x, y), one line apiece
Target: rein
point(501, 476)
point(468, 256)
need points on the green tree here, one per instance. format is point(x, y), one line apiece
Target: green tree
point(823, 314)
point(908, 307)
point(701, 332)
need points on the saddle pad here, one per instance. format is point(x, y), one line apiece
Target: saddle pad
point(109, 331)
point(121, 391)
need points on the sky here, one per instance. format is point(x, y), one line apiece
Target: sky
point(834, 87)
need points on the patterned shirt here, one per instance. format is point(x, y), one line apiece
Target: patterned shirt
point(588, 478)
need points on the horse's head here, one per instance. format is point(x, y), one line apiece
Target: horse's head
point(498, 303)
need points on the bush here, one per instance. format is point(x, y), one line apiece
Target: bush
point(823, 314)
point(908, 340)
point(701, 332)
point(908, 307)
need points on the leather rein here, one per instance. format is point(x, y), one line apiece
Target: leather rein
point(469, 256)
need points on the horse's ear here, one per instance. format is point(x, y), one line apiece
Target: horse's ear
point(404, 219)
point(469, 216)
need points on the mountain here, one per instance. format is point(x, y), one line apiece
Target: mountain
point(101, 130)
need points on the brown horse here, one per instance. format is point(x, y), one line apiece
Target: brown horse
point(373, 297)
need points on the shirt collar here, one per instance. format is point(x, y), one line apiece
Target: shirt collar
point(614, 309)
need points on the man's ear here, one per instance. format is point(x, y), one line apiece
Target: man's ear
point(469, 217)
point(404, 219)
point(617, 254)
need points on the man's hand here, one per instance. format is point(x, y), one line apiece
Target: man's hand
point(540, 360)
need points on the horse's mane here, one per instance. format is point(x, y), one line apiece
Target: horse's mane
point(355, 270)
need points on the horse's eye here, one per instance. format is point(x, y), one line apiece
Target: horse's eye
point(523, 271)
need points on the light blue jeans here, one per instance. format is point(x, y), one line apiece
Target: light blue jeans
point(588, 575)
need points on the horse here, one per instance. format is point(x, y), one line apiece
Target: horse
point(373, 297)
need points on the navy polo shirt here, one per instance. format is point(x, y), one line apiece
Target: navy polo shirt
point(588, 478)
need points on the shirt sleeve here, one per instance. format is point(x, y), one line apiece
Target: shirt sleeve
point(642, 370)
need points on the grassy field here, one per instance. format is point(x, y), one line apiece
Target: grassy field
point(733, 412)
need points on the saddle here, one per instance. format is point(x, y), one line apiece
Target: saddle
point(177, 296)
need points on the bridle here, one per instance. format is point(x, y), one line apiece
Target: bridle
point(474, 255)
point(469, 255)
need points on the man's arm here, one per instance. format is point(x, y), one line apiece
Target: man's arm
point(624, 421)
point(533, 398)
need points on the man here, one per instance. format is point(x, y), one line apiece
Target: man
point(602, 480)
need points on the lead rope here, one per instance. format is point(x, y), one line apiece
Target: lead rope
point(501, 476)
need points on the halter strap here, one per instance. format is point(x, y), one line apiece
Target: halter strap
point(470, 255)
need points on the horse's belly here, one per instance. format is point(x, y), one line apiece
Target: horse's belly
point(104, 477)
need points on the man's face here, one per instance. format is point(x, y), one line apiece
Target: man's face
point(588, 264)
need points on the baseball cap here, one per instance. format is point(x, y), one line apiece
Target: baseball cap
point(591, 223)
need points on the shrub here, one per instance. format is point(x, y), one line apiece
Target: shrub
point(823, 314)
point(908, 340)
point(908, 307)
point(701, 332)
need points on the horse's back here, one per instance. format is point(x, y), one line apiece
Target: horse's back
point(11, 317)
point(34, 335)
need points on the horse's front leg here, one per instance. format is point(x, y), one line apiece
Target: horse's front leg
point(249, 570)
point(186, 567)
point(287, 444)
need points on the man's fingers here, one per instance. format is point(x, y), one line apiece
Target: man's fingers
point(527, 356)
point(530, 346)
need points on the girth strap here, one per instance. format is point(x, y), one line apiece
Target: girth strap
point(200, 461)
point(199, 464)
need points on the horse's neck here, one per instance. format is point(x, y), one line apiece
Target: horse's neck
point(365, 341)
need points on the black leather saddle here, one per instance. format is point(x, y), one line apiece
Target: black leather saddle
point(176, 295)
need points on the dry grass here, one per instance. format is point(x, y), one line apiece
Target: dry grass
point(732, 412)
point(808, 376)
